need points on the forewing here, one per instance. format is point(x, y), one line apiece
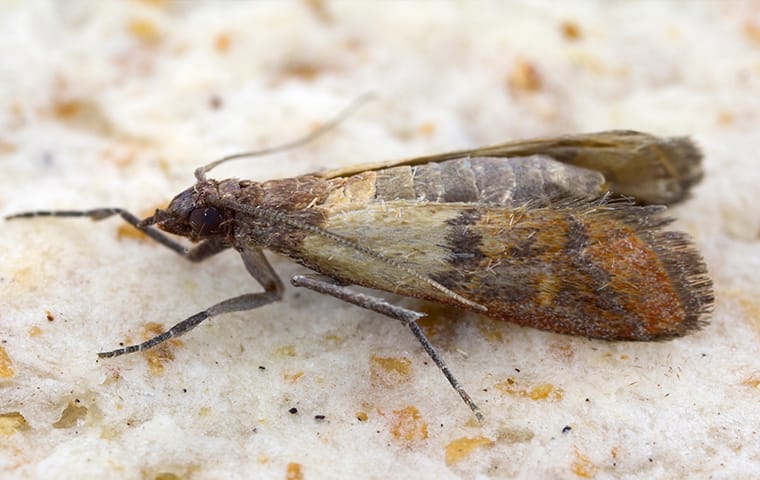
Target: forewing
point(598, 270)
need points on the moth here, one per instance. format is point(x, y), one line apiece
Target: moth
point(529, 232)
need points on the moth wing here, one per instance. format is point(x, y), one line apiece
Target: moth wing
point(657, 170)
point(604, 270)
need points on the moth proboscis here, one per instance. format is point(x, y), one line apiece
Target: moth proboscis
point(527, 231)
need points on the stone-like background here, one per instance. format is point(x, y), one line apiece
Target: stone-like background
point(115, 104)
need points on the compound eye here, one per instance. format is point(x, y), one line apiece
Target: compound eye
point(205, 220)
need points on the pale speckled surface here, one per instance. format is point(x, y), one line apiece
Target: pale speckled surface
point(110, 103)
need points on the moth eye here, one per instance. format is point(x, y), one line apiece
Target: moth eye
point(205, 220)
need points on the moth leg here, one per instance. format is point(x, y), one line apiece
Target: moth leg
point(196, 254)
point(405, 316)
point(257, 266)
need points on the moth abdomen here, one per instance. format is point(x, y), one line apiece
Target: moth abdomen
point(507, 182)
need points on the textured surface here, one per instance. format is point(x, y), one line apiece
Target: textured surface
point(115, 104)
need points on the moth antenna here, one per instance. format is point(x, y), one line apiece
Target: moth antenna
point(200, 172)
point(347, 242)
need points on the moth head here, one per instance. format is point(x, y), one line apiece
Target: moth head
point(190, 215)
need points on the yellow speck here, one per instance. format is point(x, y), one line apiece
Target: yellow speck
point(472, 422)
point(108, 433)
point(302, 71)
point(292, 378)
point(389, 371)
point(287, 351)
point(544, 391)
point(407, 425)
point(24, 276)
point(582, 466)
point(167, 476)
point(7, 369)
point(319, 9)
point(144, 30)
point(11, 423)
point(130, 232)
point(161, 354)
point(490, 331)
point(524, 77)
point(514, 435)
point(752, 32)
point(752, 381)
point(461, 448)
point(6, 146)
point(35, 331)
point(362, 416)
point(73, 415)
point(427, 129)
point(570, 30)
point(67, 108)
point(222, 42)
point(725, 117)
point(155, 3)
point(334, 339)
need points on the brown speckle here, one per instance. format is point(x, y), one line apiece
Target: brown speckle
point(215, 102)
point(752, 380)
point(426, 129)
point(524, 77)
point(67, 108)
point(222, 42)
point(294, 471)
point(725, 118)
point(752, 32)
point(302, 71)
point(167, 476)
point(319, 9)
point(570, 30)
point(6, 146)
